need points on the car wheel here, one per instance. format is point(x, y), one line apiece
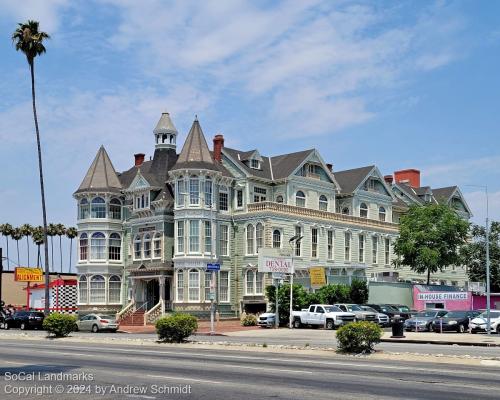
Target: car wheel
point(75, 328)
point(461, 328)
point(329, 324)
point(23, 326)
point(473, 332)
point(498, 329)
point(95, 328)
point(297, 324)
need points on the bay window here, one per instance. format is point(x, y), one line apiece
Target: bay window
point(98, 246)
point(194, 236)
point(194, 285)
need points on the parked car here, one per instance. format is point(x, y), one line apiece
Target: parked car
point(383, 319)
point(390, 310)
point(359, 313)
point(479, 323)
point(325, 315)
point(25, 320)
point(454, 321)
point(266, 320)
point(422, 320)
point(96, 323)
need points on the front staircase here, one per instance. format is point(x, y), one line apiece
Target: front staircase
point(133, 319)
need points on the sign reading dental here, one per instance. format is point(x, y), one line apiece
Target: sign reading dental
point(269, 262)
point(442, 296)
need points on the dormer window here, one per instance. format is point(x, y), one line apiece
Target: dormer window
point(141, 201)
point(255, 164)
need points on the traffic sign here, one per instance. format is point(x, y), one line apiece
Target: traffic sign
point(213, 267)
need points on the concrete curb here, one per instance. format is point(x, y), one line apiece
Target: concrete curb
point(442, 342)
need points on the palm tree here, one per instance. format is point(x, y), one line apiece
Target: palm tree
point(37, 236)
point(71, 233)
point(6, 230)
point(29, 40)
point(27, 231)
point(17, 235)
point(52, 231)
point(60, 231)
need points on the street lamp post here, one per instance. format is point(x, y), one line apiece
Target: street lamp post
point(294, 239)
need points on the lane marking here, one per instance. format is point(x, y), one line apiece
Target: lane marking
point(185, 379)
point(15, 363)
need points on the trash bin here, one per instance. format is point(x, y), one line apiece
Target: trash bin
point(398, 327)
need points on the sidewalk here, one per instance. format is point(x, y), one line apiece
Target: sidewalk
point(461, 339)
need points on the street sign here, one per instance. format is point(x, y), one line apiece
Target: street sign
point(213, 267)
point(211, 296)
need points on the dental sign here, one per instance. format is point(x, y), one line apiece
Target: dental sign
point(442, 296)
point(275, 263)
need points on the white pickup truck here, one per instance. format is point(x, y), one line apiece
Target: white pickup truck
point(325, 315)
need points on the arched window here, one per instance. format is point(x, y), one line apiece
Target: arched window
point(83, 290)
point(84, 247)
point(259, 235)
point(84, 209)
point(114, 289)
point(194, 285)
point(381, 214)
point(277, 239)
point(300, 199)
point(147, 246)
point(181, 191)
point(98, 208)
point(157, 245)
point(363, 210)
point(250, 278)
point(98, 246)
point(115, 209)
point(208, 191)
point(250, 239)
point(323, 203)
point(137, 247)
point(180, 285)
point(97, 289)
point(115, 247)
point(279, 199)
point(194, 190)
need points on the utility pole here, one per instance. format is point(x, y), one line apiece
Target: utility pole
point(488, 291)
point(294, 239)
point(277, 314)
point(1, 275)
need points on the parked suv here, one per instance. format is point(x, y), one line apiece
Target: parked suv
point(390, 310)
point(359, 313)
point(25, 320)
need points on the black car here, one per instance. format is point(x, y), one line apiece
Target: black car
point(456, 321)
point(25, 320)
point(389, 310)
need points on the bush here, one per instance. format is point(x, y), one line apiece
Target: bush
point(358, 337)
point(249, 320)
point(359, 292)
point(300, 300)
point(59, 325)
point(176, 327)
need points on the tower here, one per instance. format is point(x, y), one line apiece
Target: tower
point(165, 133)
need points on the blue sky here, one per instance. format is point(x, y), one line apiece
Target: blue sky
point(398, 84)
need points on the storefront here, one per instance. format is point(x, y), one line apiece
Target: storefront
point(443, 297)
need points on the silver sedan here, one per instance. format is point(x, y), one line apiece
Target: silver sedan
point(96, 323)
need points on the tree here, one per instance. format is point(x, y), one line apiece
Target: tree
point(17, 235)
point(71, 233)
point(51, 232)
point(29, 40)
point(60, 231)
point(359, 292)
point(37, 237)
point(430, 239)
point(334, 293)
point(474, 255)
point(300, 300)
point(6, 230)
point(27, 230)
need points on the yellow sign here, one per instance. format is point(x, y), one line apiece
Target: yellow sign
point(24, 274)
point(317, 275)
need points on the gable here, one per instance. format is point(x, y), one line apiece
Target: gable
point(374, 182)
point(139, 182)
point(314, 167)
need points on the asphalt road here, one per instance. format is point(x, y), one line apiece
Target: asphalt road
point(222, 374)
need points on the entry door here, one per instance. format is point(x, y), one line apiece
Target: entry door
point(152, 293)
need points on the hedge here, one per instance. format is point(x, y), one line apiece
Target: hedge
point(176, 327)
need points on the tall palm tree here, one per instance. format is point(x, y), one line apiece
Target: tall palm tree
point(17, 235)
point(29, 40)
point(37, 236)
point(27, 231)
point(71, 233)
point(6, 230)
point(60, 231)
point(51, 232)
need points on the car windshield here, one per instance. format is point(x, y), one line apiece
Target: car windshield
point(493, 314)
point(456, 314)
point(402, 308)
point(332, 309)
point(354, 307)
point(367, 308)
point(106, 317)
point(425, 314)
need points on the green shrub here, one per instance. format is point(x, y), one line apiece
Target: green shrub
point(59, 325)
point(359, 292)
point(249, 320)
point(176, 327)
point(358, 337)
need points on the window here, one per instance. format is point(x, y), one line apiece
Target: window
point(142, 201)
point(180, 285)
point(374, 249)
point(208, 282)
point(254, 282)
point(84, 245)
point(84, 209)
point(224, 286)
point(97, 289)
point(314, 243)
point(115, 209)
point(330, 245)
point(137, 247)
point(181, 191)
point(250, 239)
point(300, 199)
point(194, 236)
point(180, 236)
point(277, 239)
point(83, 289)
point(259, 235)
point(387, 251)
point(347, 246)
point(115, 289)
point(208, 192)
point(223, 199)
point(147, 246)
point(258, 282)
point(98, 208)
point(279, 199)
point(98, 246)
point(250, 282)
point(363, 210)
point(323, 203)
point(259, 194)
point(224, 240)
point(208, 237)
point(239, 198)
point(194, 285)
point(361, 248)
point(298, 249)
point(255, 164)
point(157, 246)
point(115, 247)
point(381, 214)
point(345, 211)
point(194, 190)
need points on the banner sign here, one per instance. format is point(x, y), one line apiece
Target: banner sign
point(275, 264)
point(317, 275)
point(442, 296)
point(24, 274)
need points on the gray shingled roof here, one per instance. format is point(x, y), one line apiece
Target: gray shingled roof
point(442, 195)
point(409, 191)
point(238, 157)
point(101, 175)
point(284, 165)
point(165, 124)
point(350, 179)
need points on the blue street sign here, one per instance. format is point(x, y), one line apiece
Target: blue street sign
point(213, 267)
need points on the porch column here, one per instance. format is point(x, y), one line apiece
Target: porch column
point(349, 275)
point(161, 280)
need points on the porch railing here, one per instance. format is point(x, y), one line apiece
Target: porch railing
point(126, 311)
point(153, 314)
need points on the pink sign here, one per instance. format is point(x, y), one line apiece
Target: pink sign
point(453, 301)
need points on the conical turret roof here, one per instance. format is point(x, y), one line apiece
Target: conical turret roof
point(101, 175)
point(165, 124)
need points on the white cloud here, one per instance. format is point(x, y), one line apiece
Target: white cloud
point(461, 172)
point(477, 202)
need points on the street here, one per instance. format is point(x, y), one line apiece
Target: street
point(229, 374)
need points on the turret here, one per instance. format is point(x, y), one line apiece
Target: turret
point(165, 133)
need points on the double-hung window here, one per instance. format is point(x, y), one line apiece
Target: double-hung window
point(314, 242)
point(194, 236)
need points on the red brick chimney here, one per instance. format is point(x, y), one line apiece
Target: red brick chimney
point(330, 167)
point(139, 159)
point(409, 176)
point(218, 146)
point(389, 179)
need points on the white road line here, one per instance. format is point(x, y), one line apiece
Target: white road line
point(15, 363)
point(184, 379)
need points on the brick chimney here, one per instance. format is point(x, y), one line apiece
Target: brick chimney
point(409, 176)
point(218, 146)
point(389, 179)
point(139, 159)
point(330, 167)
